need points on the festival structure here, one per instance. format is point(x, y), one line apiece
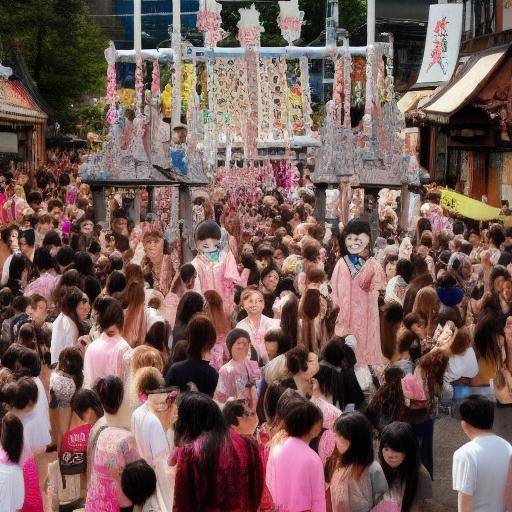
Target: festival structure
point(241, 119)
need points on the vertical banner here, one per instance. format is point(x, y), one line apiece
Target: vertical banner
point(507, 14)
point(442, 43)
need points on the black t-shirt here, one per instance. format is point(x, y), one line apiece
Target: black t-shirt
point(204, 376)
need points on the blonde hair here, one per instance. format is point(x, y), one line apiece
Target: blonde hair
point(250, 290)
point(145, 356)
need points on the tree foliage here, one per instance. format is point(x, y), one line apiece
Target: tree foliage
point(62, 47)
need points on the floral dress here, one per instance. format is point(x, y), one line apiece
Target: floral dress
point(115, 447)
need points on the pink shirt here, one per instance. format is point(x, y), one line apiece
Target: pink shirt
point(295, 477)
point(104, 356)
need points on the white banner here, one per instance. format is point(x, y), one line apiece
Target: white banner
point(442, 43)
point(8, 142)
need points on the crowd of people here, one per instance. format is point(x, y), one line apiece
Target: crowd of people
point(291, 366)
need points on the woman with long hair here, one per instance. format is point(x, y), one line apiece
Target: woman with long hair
point(135, 325)
point(410, 486)
point(214, 308)
point(294, 471)
point(210, 474)
point(356, 481)
point(196, 369)
point(11, 448)
point(48, 277)
point(68, 279)
point(387, 403)
point(302, 366)
point(426, 307)
point(488, 339)
point(19, 269)
point(110, 450)
point(190, 303)
point(71, 322)
point(290, 318)
point(158, 337)
point(89, 283)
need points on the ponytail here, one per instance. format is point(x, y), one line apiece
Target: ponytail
point(11, 438)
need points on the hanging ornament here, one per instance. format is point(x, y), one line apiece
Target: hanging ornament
point(110, 57)
point(290, 20)
point(249, 28)
point(209, 21)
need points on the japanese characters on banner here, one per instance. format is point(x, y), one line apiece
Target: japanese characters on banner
point(442, 43)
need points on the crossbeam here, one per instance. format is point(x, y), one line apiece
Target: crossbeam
point(200, 54)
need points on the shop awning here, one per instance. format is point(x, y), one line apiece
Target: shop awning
point(465, 86)
point(16, 104)
point(458, 204)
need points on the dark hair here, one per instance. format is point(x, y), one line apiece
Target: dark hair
point(72, 298)
point(85, 399)
point(356, 429)
point(65, 256)
point(410, 319)
point(110, 313)
point(496, 235)
point(357, 227)
point(29, 236)
point(404, 269)
point(116, 282)
point(158, 336)
point(11, 437)
point(19, 263)
point(277, 336)
point(20, 303)
point(34, 197)
point(337, 353)
point(267, 270)
point(22, 361)
point(478, 412)
point(234, 335)
point(43, 259)
point(301, 419)
point(297, 360)
point(388, 401)
point(116, 261)
point(138, 481)
point(488, 328)
point(498, 272)
point(330, 381)
point(20, 394)
point(84, 263)
point(190, 304)
point(270, 400)
point(400, 437)
point(6, 232)
point(290, 319)
point(52, 238)
point(458, 227)
point(478, 291)
point(232, 410)
point(72, 363)
point(201, 336)
point(110, 391)
point(187, 272)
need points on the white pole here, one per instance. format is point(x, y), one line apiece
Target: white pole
point(137, 26)
point(176, 46)
point(370, 22)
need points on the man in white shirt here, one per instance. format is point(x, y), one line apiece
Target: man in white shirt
point(480, 467)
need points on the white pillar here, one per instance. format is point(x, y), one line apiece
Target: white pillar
point(370, 22)
point(137, 27)
point(176, 46)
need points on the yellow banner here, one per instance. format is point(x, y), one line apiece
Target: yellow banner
point(470, 208)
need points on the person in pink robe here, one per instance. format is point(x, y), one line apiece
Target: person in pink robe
point(355, 286)
point(238, 377)
point(216, 269)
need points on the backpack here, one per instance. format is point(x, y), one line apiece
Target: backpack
point(415, 398)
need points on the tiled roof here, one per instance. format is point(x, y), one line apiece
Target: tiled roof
point(16, 103)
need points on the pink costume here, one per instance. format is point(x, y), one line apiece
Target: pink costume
point(219, 352)
point(357, 293)
point(257, 333)
point(115, 447)
point(221, 276)
point(105, 356)
point(237, 379)
point(327, 443)
point(44, 285)
point(295, 477)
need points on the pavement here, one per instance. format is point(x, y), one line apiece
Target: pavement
point(448, 436)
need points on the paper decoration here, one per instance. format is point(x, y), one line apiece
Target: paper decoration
point(290, 20)
point(249, 28)
point(209, 21)
point(442, 43)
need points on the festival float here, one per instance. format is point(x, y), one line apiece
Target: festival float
point(240, 119)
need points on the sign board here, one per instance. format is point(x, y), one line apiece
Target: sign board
point(8, 142)
point(442, 43)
